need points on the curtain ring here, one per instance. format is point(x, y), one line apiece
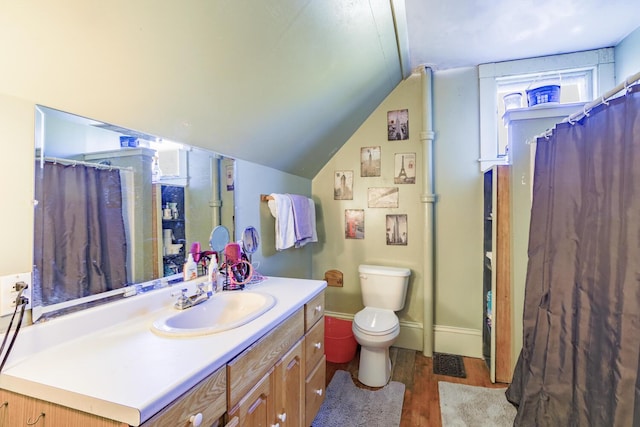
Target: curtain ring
point(604, 101)
point(584, 111)
point(571, 122)
point(626, 87)
point(30, 423)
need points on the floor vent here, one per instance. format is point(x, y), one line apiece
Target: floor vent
point(448, 364)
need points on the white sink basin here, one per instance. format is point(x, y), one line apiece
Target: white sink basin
point(221, 312)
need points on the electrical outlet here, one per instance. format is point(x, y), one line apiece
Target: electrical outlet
point(9, 293)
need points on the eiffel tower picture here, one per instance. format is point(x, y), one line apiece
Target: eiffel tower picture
point(403, 174)
point(405, 166)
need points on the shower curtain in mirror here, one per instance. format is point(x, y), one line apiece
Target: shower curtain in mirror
point(80, 246)
point(581, 323)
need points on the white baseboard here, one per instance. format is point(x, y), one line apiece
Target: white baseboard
point(410, 337)
point(447, 339)
point(461, 341)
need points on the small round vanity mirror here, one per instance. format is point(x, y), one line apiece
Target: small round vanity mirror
point(250, 240)
point(219, 238)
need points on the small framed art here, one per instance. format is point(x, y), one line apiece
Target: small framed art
point(404, 168)
point(354, 224)
point(343, 185)
point(397, 230)
point(370, 161)
point(398, 125)
point(382, 197)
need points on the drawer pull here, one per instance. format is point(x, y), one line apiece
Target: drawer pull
point(275, 425)
point(196, 419)
point(282, 417)
point(318, 308)
point(318, 345)
point(319, 392)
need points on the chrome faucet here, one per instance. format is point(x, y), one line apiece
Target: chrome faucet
point(185, 302)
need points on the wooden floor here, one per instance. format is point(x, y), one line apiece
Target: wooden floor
point(421, 405)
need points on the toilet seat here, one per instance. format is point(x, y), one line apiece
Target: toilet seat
point(376, 321)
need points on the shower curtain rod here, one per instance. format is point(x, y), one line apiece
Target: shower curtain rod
point(89, 164)
point(625, 85)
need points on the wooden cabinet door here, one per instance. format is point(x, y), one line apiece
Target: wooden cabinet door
point(20, 410)
point(289, 388)
point(255, 409)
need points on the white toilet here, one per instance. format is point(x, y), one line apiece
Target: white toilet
point(376, 326)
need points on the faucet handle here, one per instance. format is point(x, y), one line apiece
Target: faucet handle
point(183, 301)
point(182, 291)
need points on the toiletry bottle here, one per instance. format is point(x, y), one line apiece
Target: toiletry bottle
point(190, 270)
point(213, 275)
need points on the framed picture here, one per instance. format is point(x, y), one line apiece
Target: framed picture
point(397, 230)
point(343, 185)
point(370, 161)
point(229, 177)
point(404, 168)
point(354, 224)
point(398, 125)
point(382, 197)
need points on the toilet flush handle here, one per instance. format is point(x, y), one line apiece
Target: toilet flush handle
point(363, 276)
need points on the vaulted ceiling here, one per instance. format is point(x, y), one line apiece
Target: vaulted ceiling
point(282, 83)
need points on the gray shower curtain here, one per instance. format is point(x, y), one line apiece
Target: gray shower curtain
point(80, 243)
point(581, 324)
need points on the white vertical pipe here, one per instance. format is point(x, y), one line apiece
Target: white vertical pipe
point(215, 203)
point(428, 198)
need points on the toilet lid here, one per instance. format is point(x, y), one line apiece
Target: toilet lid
point(375, 321)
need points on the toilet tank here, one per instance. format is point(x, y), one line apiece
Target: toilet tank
point(384, 287)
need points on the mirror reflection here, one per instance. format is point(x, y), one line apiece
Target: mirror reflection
point(117, 208)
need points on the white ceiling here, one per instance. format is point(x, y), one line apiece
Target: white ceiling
point(459, 33)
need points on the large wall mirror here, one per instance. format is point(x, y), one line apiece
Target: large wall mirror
point(117, 210)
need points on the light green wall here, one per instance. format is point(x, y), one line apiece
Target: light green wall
point(252, 181)
point(458, 210)
point(458, 182)
point(336, 252)
point(627, 55)
point(17, 128)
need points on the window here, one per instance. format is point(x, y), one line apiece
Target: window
point(582, 76)
point(575, 86)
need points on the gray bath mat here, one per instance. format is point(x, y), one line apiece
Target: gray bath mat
point(470, 406)
point(346, 405)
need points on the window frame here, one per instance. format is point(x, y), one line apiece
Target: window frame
point(600, 61)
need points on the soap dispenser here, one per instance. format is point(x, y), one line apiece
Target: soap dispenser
point(190, 269)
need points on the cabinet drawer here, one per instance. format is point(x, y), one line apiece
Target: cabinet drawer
point(256, 408)
point(208, 398)
point(314, 347)
point(314, 391)
point(251, 365)
point(313, 311)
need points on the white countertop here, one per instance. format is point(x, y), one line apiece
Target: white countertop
point(108, 362)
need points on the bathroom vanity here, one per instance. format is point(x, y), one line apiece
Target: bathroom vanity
point(105, 367)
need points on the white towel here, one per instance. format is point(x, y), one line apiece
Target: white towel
point(282, 210)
